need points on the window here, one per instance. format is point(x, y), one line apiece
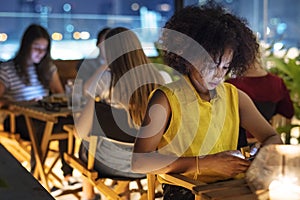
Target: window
point(274, 21)
point(73, 26)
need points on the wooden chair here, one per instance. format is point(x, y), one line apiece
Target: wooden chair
point(230, 189)
point(20, 148)
point(12, 141)
point(283, 126)
point(279, 121)
point(176, 179)
point(87, 169)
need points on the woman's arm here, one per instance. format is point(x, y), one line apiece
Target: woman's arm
point(84, 122)
point(255, 123)
point(55, 84)
point(147, 160)
point(95, 85)
point(95, 78)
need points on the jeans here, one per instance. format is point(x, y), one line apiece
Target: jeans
point(112, 161)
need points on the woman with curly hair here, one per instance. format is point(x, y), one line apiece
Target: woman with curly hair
point(191, 125)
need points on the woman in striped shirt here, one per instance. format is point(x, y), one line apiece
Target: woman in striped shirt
point(31, 74)
point(29, 77)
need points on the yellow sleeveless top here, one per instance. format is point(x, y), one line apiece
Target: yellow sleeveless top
point(199, 127)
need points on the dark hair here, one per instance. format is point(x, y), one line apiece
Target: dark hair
point(32, 33)
point(215, 30)
point(101, 35)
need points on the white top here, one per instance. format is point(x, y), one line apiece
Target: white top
point(100, 88)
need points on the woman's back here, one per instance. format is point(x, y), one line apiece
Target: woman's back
point(117, 101)
point(113, 123)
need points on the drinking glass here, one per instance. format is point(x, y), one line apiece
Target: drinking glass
point(73, 89)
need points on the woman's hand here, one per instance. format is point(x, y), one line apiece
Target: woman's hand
point(225, 164)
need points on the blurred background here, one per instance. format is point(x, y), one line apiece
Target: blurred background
point(74, 24)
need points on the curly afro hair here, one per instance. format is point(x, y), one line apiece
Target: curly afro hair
point(215, 30)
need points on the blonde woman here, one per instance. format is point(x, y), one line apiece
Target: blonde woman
point(124, 85)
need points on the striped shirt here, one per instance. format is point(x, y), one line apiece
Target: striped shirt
point(16, 89)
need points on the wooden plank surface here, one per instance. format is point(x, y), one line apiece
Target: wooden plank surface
point(181, 180)
point(16, 182)
point(219, 186)
point(229, 193)
point(225, 190)
point(33, 110)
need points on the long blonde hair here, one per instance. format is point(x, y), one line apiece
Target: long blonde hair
point(134, 77)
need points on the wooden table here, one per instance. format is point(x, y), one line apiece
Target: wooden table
point(16, 182)
point(225, 190)
point(33, 111)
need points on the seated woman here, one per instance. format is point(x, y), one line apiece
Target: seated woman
point(191, 125)
point(88, 67)
point(117, 99)
point(268, 92)
point(29, 77)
